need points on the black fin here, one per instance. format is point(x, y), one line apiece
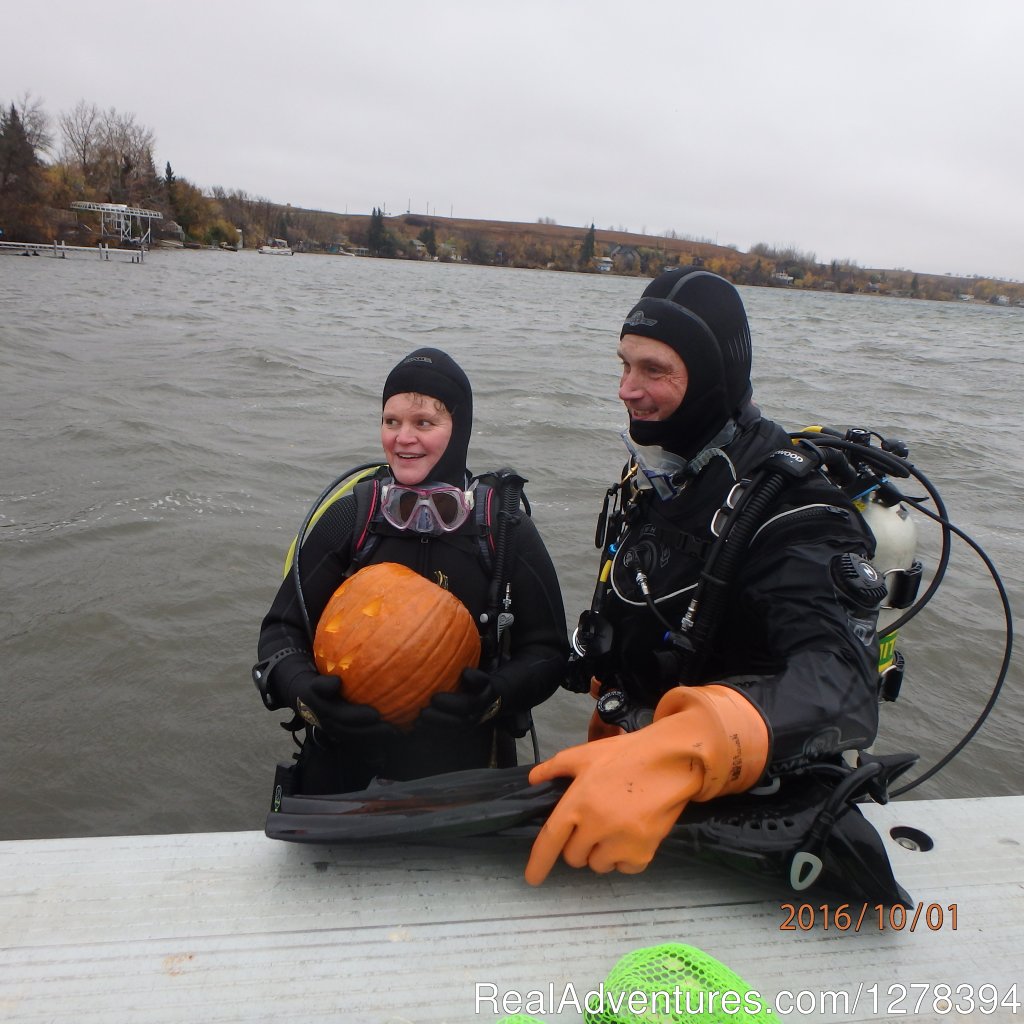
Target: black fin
point(810, 835)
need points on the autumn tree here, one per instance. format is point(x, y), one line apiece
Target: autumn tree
point(189, 207)
point(113, 152)
point(148, 189)
point(477, 249)
point(255, 216)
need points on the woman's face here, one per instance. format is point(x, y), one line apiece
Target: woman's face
point(415, 431)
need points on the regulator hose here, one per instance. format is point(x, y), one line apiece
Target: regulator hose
point(706, 608)
point(1004, 664)
point(301, 536)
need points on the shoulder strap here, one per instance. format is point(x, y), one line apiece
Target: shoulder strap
point(742, 519)
point(499, 506)
point(343, 485)
point(364, 540)
point(500, 510)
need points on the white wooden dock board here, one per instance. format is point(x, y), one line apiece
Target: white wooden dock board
point(215, 927)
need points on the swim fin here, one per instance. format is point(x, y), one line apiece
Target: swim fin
point(478, 801)
point(805, 835)
point(810, 834)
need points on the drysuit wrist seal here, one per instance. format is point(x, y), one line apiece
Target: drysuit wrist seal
point(262, 671)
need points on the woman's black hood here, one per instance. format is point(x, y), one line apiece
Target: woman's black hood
point(431, 372)
point(701, 317)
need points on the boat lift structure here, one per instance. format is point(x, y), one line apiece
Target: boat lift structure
point(117, 220)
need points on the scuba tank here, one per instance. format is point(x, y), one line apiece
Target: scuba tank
point(895, 545)
point(895, 536)
point(880, 504)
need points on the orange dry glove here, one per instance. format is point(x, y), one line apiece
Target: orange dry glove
point(628, 790)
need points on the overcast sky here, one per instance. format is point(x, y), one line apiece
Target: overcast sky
point(889, 132)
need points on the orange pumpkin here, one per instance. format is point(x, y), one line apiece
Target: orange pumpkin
point(395, 639)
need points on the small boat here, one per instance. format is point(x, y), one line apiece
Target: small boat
point(276, 247)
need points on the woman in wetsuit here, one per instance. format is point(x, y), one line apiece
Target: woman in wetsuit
point(425, 431)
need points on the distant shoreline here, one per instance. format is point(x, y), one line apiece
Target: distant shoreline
point(548, 246)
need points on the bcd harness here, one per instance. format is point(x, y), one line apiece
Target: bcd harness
point(498, 506)
point(861, 473)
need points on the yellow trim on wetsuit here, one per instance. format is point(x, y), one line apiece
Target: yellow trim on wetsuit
point(340, 491)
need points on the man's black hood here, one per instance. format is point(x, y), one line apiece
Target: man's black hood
point(700, 316)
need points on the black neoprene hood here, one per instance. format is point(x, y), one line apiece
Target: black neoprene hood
point(431, 372)
point(700, 316)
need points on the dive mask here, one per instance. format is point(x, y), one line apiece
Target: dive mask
point(433, 509)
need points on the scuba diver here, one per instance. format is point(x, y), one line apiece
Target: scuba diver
point(719, 665)
point(425, 511)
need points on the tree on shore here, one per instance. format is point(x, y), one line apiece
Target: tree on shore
point(587, 252)
point(36, 123)
point(169, 183)
point(126, 158)
point(21, 180)
point(429, 239)
point(113, 154)
point(80, 132)
point(378, 238)
point(477, 249)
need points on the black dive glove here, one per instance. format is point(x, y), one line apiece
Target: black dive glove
point(317, 700)
point(477, 701)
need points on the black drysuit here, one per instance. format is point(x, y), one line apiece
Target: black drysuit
point(801, 650)
point(532, 672)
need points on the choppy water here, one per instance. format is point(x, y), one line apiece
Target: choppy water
point(165, 426)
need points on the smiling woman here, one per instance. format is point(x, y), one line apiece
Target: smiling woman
point(427, 419)
point(421, 512)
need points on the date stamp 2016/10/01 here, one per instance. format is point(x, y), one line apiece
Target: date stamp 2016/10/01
point(804, 917)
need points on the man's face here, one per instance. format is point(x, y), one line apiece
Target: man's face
point(654, 378)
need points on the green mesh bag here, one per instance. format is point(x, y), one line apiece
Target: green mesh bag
point(675, 984)
point(520, 1018)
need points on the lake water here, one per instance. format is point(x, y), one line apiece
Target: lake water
point(165, 426)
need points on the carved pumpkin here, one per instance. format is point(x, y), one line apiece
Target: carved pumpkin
point(395, 639)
